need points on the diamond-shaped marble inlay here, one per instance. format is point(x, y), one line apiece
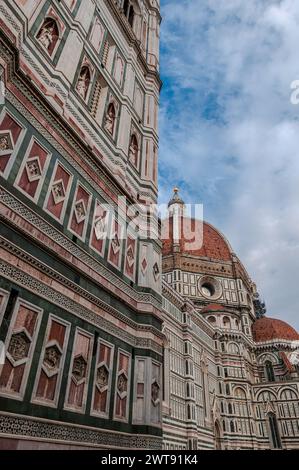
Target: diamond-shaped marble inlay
point(130, 256)
point(6, 142)
point(115, 244)
point(100, 227)
point(33, 169)
point(144, 265)
point(80, 211)
point(58, 191)
point(156, 271)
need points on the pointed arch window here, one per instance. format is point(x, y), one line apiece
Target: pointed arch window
point(275, 436)
point(129, 12)
point(126, 7)
point(131, 16)
point(269, 371)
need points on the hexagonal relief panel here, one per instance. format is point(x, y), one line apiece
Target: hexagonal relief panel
point(79, 368)
point(52, 357)
point(102, 376)
point(122, 383)
point(19, 346)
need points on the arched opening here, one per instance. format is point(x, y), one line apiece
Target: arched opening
point(110, 119)
point(240, 393)
point(274, 431)
point(233, 348)
point(131, 16)
point(226, 322)
point(212, 320)
point(217, 436)
point(83, 82)
point(126, 7)
point(269, 371)
point(48, 35)
point(232, 426)
point(133, 150)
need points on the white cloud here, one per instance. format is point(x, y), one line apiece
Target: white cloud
point(229, 131)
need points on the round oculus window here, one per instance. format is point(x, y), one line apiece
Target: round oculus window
point(208, 290)
point(209, 287)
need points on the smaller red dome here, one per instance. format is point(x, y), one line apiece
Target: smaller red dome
point(268, 329)
point(213, 308)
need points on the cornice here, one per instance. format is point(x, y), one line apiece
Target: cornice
point(71, 305)
point(32, 218)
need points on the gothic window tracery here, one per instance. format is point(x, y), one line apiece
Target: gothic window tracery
point(269, 371)
point(129, 12)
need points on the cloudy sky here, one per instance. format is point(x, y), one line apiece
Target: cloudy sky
point(229, 133)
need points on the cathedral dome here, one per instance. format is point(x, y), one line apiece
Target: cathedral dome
point(269, 329)
point(195, 238)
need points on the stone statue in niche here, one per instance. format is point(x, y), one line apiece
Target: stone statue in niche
point(155, 392)
point(83, 82)
point(110, 119)
point(48, 35)
point(133, 150)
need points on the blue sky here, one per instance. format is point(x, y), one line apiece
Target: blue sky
point(229, 135)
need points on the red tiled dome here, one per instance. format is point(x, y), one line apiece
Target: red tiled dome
point(212, 308)
point(267, 329)
point(197, 238)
